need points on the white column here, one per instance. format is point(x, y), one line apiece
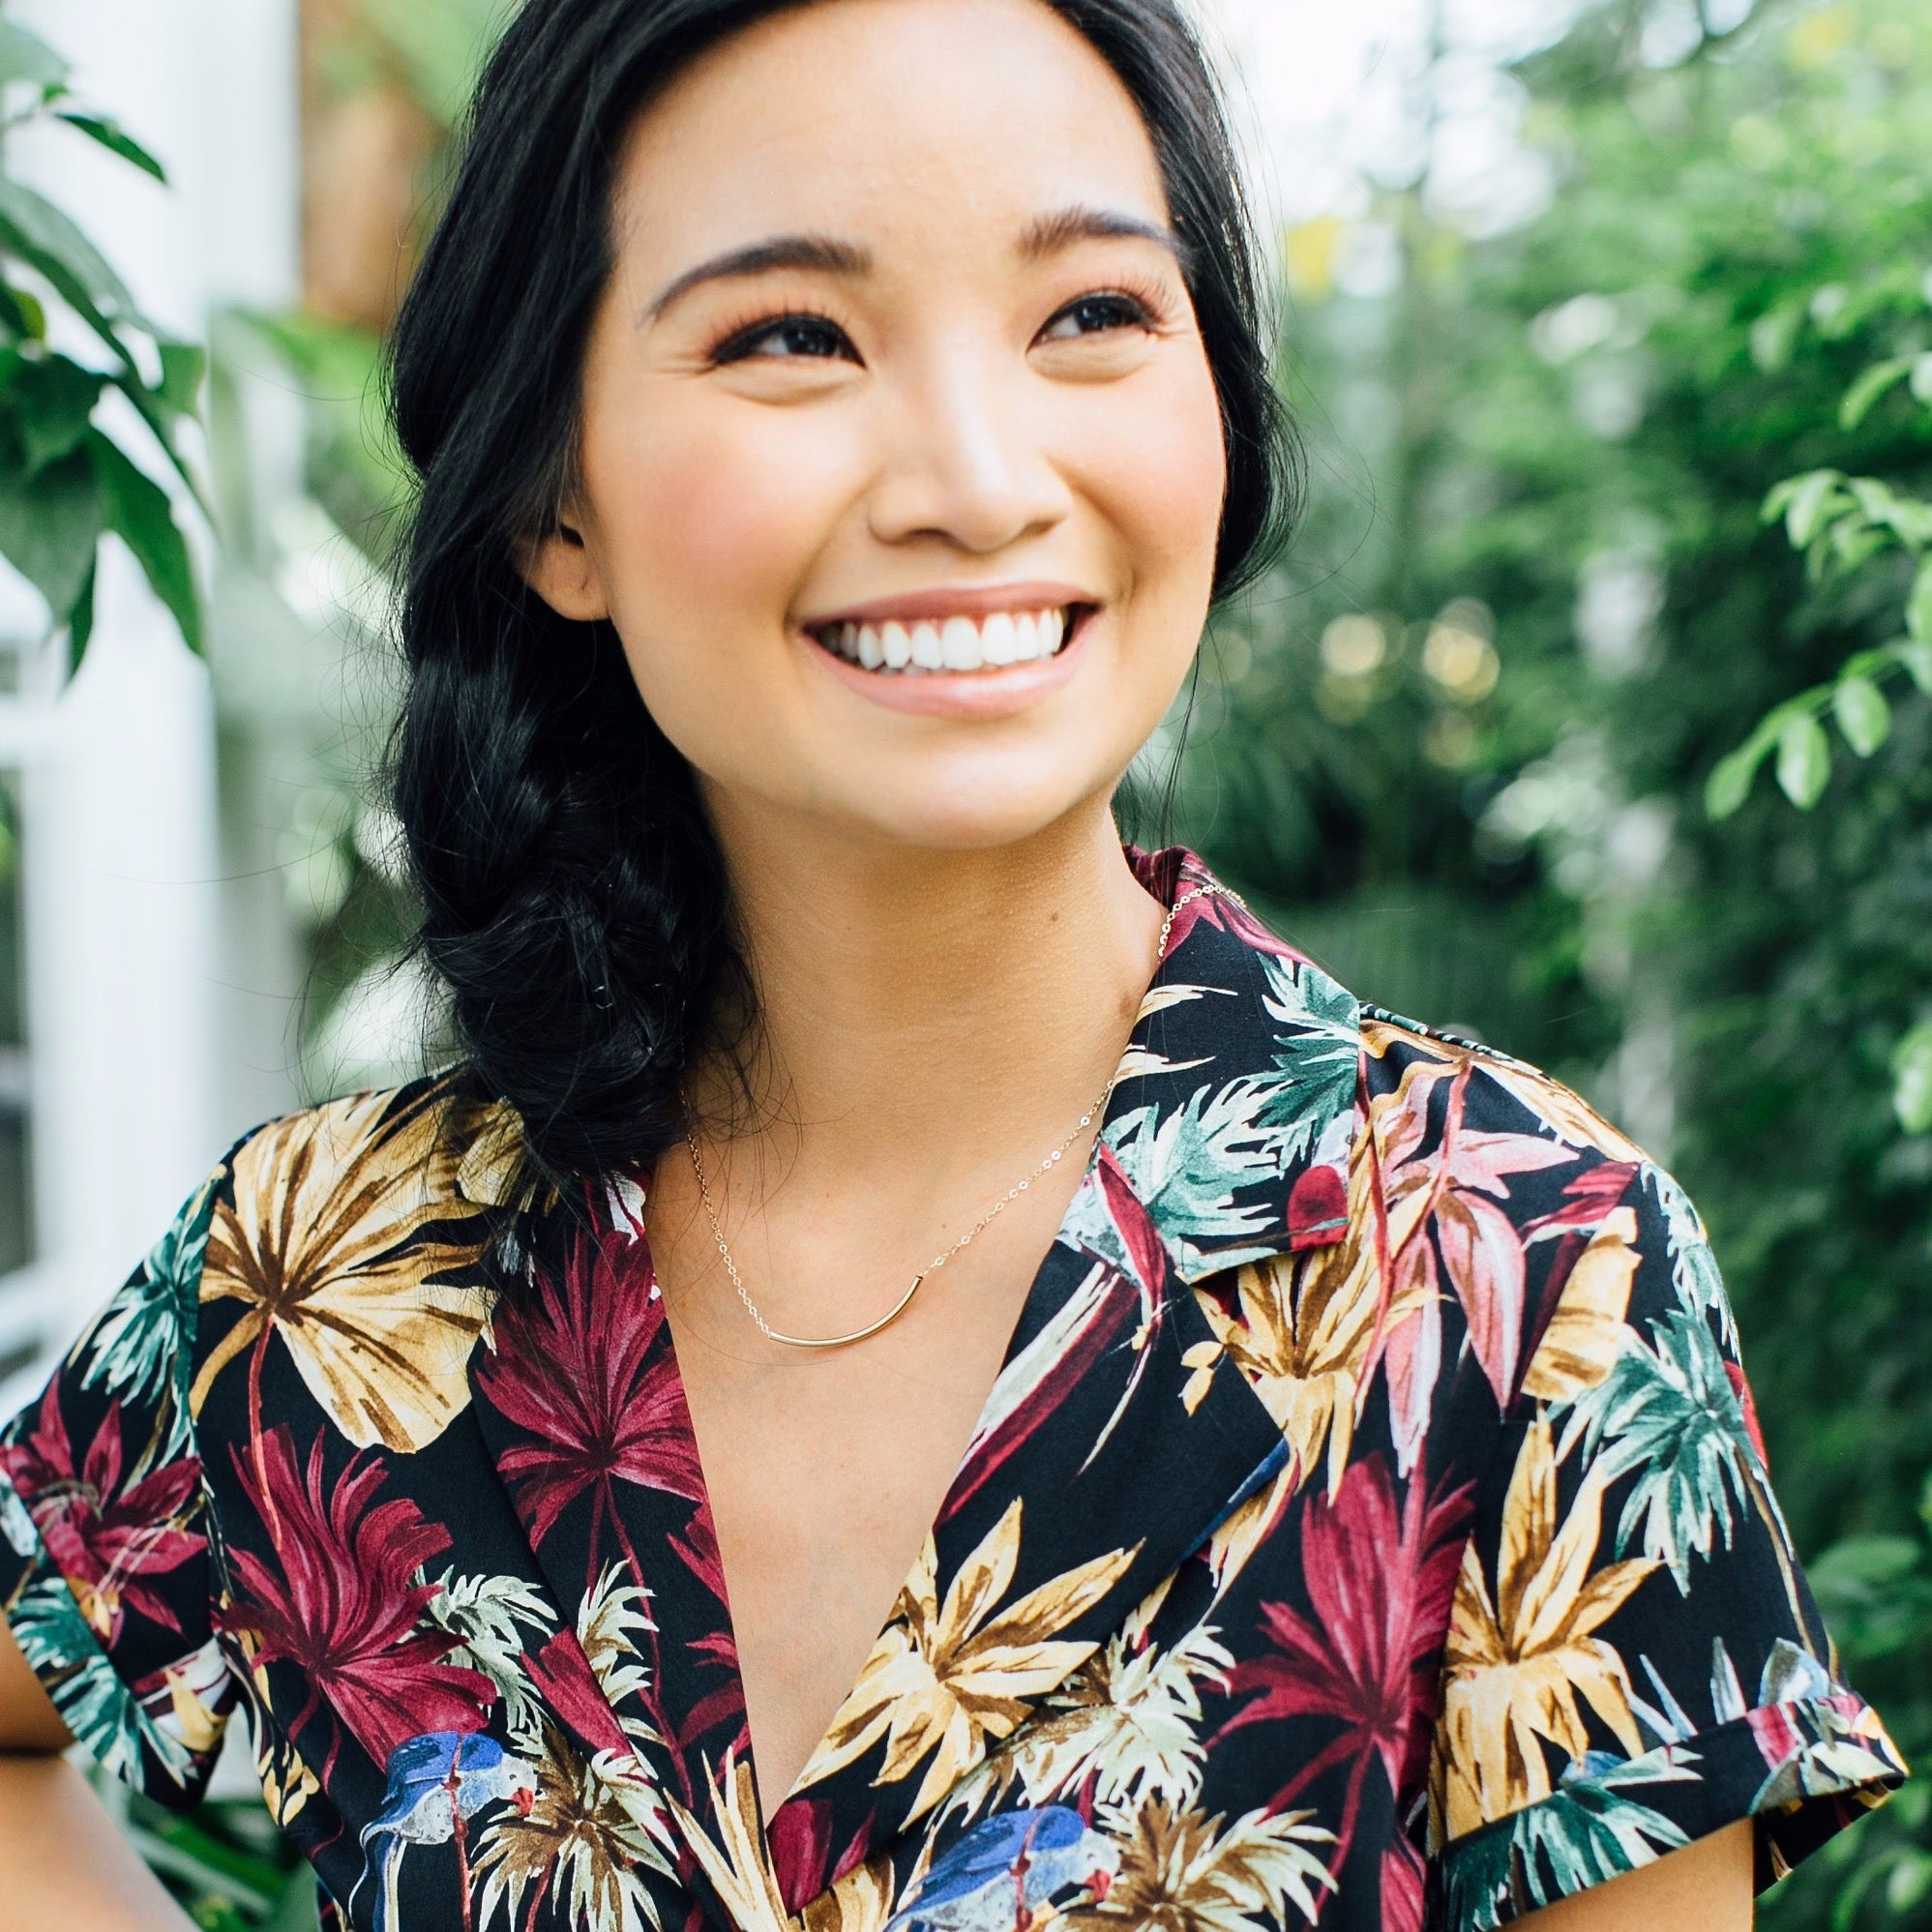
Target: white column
point(121, 851)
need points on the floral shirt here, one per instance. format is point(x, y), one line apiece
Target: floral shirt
point(1367, 1527)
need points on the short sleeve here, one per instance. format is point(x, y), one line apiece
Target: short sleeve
point(1634, 1658)
point(104, 1553)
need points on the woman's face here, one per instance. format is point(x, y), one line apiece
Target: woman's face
point(902, 465)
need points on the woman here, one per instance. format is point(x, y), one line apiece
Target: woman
point(1309, 1480)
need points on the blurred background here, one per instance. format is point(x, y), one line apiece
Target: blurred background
point(1589, 715)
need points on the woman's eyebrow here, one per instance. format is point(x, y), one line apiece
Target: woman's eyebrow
point(1048, 234)
point(1044, 235)
point(826, 252)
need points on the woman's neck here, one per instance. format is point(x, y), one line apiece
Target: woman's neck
point(935, 1001)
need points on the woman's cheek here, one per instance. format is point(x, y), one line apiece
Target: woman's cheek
point(722, 515)
point(1168, 473)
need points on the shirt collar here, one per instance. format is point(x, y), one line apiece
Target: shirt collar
point(1234, 1112)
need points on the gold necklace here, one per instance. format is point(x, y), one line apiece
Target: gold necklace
point(938, 1261)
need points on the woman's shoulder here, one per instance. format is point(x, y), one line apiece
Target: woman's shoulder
point(1425, 1088)
point(430, 1148)
point(355, 1230)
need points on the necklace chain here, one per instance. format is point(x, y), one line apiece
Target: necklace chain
point(978, 1227)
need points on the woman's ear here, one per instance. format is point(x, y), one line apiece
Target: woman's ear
point(560, 569)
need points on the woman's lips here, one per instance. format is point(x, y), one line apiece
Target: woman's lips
point(954, 644)
point(965, 683)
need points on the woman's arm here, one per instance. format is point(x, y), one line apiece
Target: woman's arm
point(1705, 1887)
point(66, 1862)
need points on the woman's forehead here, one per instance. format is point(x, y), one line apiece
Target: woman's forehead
point(867, 116)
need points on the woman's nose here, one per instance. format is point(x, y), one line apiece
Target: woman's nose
point(968, 463)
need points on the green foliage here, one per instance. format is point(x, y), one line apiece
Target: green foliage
point(1666, 448)
point(63, 481)
point(1841, 523)
point(225, 1862)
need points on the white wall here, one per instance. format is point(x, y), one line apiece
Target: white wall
point(129, 977)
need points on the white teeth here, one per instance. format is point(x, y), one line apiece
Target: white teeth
point(959, 643)
point(998, 639)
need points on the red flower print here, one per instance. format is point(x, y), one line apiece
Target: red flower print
point(582, 1364)
point(1170, 876)
point(1457, 1192)
point(1381, 1581)
point(104, 1538)
point(561, 1676)
point(343, 1608)
point(1734, 1374)
point(1402, 1877)
point(800, 1837)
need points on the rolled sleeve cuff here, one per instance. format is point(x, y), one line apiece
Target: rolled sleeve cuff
point(1802, 1770)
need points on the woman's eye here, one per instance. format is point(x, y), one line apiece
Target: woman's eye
point(788, 336)
point(1095, 314)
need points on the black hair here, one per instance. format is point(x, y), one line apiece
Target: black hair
point(574, 899)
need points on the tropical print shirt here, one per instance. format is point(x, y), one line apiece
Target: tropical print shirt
point(1368, 1528)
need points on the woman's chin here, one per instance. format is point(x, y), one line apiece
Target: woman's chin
point(983, 818)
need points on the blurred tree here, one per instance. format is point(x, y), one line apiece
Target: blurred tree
point(1535, 609)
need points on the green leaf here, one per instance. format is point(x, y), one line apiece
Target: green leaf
point(137, 509)
point(1908, 518)
point(161, 417)
point(115, 139)
point(21, 315)
point(1862, 714)
point(1730, 780)
point(1877, 381)
point(1918, 604)
point(26, 56)
point(295, 1911)
point(182, 366)
point(1921, 377)
point(49, 235)
point(53, 400)
point(1915, 655)
point(1803, 759)
point(1912, 1080)
point(49, 524)
point(1805, 502)
point(81, 617)
point(1772, 335)
point(1852, 543)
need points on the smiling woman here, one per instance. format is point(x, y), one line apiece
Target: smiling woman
point(925, 1372)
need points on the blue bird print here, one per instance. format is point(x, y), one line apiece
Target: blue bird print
point(1003, 1872)
point(437, 1782)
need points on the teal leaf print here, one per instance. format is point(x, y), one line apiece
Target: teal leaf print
point(146, 1331)
point(1670, 1415)
point(1315, 1071)
point(1694, 1272)
point(1188, 1163)
point(16, 1526)
point(1585, 1833)
point(106, 1718)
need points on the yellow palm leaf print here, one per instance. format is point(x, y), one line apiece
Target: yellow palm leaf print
point(338, 1217)
point(1519, 1670)
point(944, 1678)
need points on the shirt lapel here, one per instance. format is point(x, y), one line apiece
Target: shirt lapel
point(1105, 1456)
point(578, 1398)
